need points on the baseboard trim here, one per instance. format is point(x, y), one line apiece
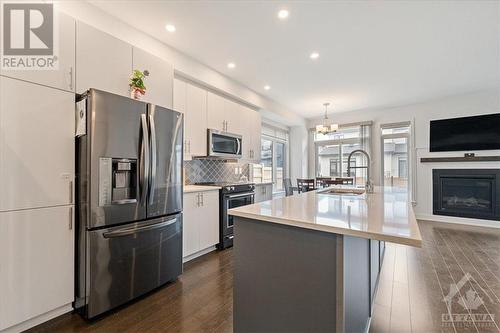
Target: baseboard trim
point(199, 254)
point(30, 323)
point(459, 220)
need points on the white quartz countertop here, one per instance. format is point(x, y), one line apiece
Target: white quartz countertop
point(200, 188)
point(385, 215)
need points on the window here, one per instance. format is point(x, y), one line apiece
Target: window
point(334, 167)
point(395, 152)
point(274, 158)
point(333, 150)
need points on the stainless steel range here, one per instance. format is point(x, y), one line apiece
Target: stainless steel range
point(231, 195)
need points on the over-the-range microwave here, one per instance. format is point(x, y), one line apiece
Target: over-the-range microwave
point(223, 144)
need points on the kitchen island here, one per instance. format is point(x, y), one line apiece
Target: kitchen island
point(311, 262)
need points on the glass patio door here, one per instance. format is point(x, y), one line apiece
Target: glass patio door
point(396, 162)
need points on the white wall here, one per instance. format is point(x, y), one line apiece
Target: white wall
point(298, 147)
point(420, 114)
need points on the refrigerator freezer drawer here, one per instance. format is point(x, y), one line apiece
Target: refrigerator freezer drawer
point(131, 260)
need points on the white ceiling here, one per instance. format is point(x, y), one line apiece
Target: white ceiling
point(372, 53)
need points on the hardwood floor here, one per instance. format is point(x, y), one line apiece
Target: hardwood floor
point(412, 288)
point(414, 282)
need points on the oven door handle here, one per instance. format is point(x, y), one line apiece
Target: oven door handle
point(240, 195)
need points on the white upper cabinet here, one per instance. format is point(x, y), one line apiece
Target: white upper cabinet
point(36, 145)
point(255, 134)
point(36, 262)
point(251, 132)
point(179, 96)
point(103, 61)
point(196, 121)
point(235, 118)
point(216, 112)
point(64, 76)
point(192, 101)
point(159, 83)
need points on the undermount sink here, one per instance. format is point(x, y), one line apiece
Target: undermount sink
point(344, 191)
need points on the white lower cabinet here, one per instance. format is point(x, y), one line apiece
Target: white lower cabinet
point(36, 263)
point(200, 222)
point(37, 145)
point(263, 192)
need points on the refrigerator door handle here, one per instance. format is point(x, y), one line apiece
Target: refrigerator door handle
point(144, 158)
point(130, 231)
point(152, 185)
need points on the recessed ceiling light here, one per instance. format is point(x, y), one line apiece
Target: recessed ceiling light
point(267, 87)
point(283, 14)
point(170, 28)
point(314, 55)
point(231, 65)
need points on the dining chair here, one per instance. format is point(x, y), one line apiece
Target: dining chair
point(334, 182)
point(320, 181)
point(305, 184)
point(287, 184)
point(346, 180)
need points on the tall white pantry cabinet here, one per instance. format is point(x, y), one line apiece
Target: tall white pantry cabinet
point(37, 156)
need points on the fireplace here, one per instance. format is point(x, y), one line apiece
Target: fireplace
point(471, 193)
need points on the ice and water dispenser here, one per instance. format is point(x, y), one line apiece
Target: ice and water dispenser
point(117, 181)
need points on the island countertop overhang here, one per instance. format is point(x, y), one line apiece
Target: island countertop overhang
point(385, 215)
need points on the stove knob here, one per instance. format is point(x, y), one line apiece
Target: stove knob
point(232, 188)
point(228, 188)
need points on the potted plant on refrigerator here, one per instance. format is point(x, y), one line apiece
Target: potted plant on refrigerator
point(136, 83)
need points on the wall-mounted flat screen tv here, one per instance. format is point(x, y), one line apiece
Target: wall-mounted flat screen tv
point(466, 133)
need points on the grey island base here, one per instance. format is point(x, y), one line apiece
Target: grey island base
point(290, 279)
point(310, 262)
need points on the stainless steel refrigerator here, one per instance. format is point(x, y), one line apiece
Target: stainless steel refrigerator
point(129, 199)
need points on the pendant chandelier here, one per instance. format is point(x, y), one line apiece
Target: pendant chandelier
point(326, 127)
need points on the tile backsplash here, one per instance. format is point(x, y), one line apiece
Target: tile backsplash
point(214, 170)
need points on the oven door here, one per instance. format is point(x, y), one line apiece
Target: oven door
point(223, 144)
point(233, 201)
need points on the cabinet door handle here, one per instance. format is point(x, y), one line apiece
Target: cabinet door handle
point(70, 224)
point(70, 191)
point(198, 202)
point(189, 146)
point(71, 78)
point(202, 199)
